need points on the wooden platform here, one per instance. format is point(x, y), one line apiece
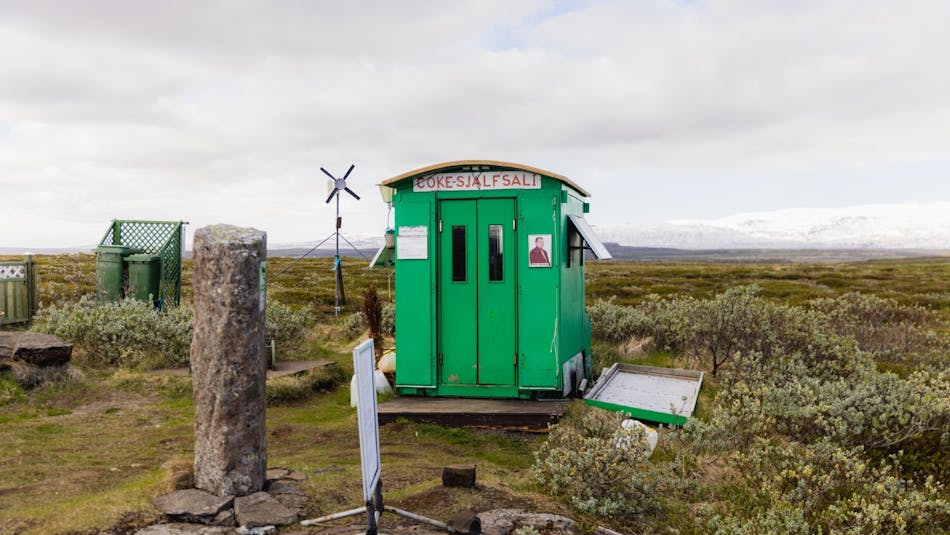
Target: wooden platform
point(282, 369)
point(465, 412)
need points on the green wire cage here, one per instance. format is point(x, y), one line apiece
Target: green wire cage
point(163, 239)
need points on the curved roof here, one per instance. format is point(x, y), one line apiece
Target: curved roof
point(490, 163)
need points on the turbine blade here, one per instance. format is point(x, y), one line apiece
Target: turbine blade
point(327, 173)
point(348, 190)
point(330, 198)
point(348, 171)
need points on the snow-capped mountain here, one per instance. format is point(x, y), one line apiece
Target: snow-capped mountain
point(885, 226)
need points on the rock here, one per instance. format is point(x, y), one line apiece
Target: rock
point(41, 349)
point(193, 505)
point(184, 529)
point(505, 521)
point(7, 343)
point(224, 518)
point(276, 473)
point(636, 347)
point(261, 509)
point(465, 522)
point(294, 475)
point(228, 363)
point(459, 475)
point(289, 495)
point(256, 531)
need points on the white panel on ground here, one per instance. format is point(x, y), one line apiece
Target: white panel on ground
point(364, 362)
point(653, 389)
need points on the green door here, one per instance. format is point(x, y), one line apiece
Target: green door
point(477, 292)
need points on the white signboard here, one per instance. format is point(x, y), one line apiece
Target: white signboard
point(477, 181)
point(364, 363)
point(412, 243)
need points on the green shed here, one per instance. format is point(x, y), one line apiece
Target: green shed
point(490, 281)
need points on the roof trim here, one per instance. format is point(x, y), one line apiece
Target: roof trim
point(491, 163)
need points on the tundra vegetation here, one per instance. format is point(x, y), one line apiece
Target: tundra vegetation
point(825, 409)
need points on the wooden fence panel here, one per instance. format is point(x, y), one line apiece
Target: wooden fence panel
point(17, 291)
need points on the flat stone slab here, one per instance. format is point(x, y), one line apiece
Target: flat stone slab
point(192, 505)
point(39, 349)
point(505, 521)
point(283, 368)
point(184, 529)
point(289, 495)
point(261, 509)
point(465, 412)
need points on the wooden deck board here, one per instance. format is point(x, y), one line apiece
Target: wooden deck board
point(464, 412)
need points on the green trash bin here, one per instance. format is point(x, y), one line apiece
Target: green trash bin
point(111, 272)
point(145, 274)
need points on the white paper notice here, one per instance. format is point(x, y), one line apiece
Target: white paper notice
point(412, 243)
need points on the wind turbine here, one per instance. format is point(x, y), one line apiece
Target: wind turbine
point(334, 187)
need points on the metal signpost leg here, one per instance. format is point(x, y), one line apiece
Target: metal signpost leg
point(374, 510)
point(368, 422)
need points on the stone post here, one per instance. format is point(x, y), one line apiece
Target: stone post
point(228, 363)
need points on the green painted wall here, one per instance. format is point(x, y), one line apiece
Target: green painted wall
point(435, 314)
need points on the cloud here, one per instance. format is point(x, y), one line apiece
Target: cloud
point(224, 111)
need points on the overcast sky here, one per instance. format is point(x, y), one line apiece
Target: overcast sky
point(225, 111)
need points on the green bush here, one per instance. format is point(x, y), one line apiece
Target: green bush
point(133, 334)
point(836, 489)
point(354, 325)
point(389, 319)
point(615, 323)
point(126, 333)
point(590, 460)
point(891, 331)
point(288, 328)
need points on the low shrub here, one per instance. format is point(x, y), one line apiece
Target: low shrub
point(389, 320)
point(835, 489)
point(288, 328)
point(891, 331)
point(598, 466)
point(134, 334)
point(615, 323)
point(354, 325)
point(126, 333)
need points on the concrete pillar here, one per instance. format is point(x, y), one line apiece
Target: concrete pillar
point(228, 363)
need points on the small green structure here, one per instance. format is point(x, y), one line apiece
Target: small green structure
point(490, 281)
point(140, 259)
point(18, 297)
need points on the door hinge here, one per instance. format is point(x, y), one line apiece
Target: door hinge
point(516, 360)
point(514, 224)
point(440, 225)
point(440, 359)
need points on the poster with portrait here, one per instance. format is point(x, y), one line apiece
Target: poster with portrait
point(539, 250)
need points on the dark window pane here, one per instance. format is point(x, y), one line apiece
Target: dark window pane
point(496, 270)
point(458, 253)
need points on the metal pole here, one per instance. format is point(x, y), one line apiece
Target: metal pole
point(336, 264)
point(334, 516)
point(417, 518)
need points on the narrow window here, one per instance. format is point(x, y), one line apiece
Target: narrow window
point(458, 253)
point(496, 270)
